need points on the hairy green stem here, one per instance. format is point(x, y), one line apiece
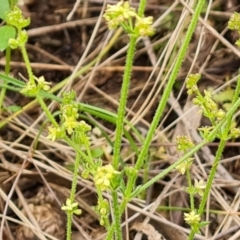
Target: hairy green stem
point(69, 226)
point(191, 195)
point(46, 110)
point(27, 64)
point(72, 195)
point(76, 147)
point(117, 216)
point(123, 100)
point(167, 91)
point(224, 137)
point(141, 8)
point(211, 176)
point(211, 136)
point(110, 232)
point(119, 130)
point(75, 177)
point(209, 183)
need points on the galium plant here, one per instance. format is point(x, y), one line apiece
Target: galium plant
point(216, 116)
point(74, 131)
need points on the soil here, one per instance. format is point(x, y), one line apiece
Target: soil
point(34, 179)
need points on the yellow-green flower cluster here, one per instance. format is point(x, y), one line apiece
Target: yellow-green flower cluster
point(31, 89)
point(42, 83)
point(192, 218)
point(54, 133)
point(199, 186)
point(235, 133)
point(71, 207)
point(119, 13)
point(123, 15)
point(209, 107)
point(143, 26)
point(234, 22)
point(205, 131)
point(70, 116)
point(191, 83)
point(16, 19)
point(103, 177)
point(103, 210)
point(69, 122)
point(184, 143)
point(183, 166)
point(20, 41)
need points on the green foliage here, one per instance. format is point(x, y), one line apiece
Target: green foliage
point(6, 33)
point(216, 116)
point(13, 108)
point(97, 152)
point(4, 9)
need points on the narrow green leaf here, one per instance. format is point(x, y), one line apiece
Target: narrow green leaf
point(97, 152)
point(6, 32)
point(4, 8)
point(13, 108)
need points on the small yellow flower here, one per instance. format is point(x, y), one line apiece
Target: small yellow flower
point(104, 175)
point(144, 26)
point(30, 89)
point(184, 143)
point(199, 186)
point(192, 217)
point(54, 133)
point(235, 132)
point(220, 114)
point(117, 14)
point(69, 109)
point(182, 167)
point(71, 207)
point(70, 124)
point(191, 82)
point(42, 84)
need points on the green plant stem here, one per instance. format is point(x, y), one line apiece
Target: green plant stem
point(224, 137)
point(191, 195)
point(69, 226)
point(167, 91)
point(123, 100)
point(120, 122)
point(237, 91)
point(81, 153)
point(60, 85)
point(72, 194)
point(209, 183)
point(110, 232)
point(141, 8)
point(70, 143)
point(50, 117)
point(27, 63)
point(75, 177)
point(211, 176)
point(211, 137)
point(46, 110)
point(116, 216)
